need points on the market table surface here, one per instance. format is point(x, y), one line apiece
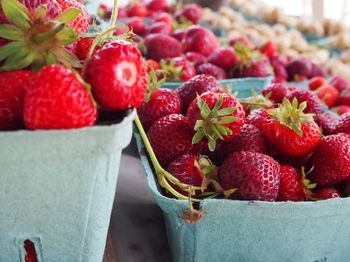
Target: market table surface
point(137, 228)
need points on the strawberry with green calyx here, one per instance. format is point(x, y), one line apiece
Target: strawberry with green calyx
point(177, 69)
point(290, 131)
point(256, 101)
point(36, 41)
point(325, 193)
point(215, 116)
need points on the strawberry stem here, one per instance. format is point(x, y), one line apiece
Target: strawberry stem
point(114, 17)
point(43, 37)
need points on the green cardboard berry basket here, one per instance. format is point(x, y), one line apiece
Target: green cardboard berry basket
point(57, 190)
point(243, 86)
point(254, 231)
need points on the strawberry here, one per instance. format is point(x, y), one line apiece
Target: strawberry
point(223, 57)
point(197, 85)
point(104, 11)
point(299, 67)
point(137, 9)
point(30, 251)
point(215, 116)
point(177, 69)
point(179, 34)
point(280, 73)
point(157, 5)
point(56, 99)
point(119, 64)
point(342, 109)
point(269, 49)
point(339, 83)
point(210, 69)
point(255, 176)
point(162, 17)
point(291, 185)
point(328, 94)
point(152, 64)
point(195, 58)
point(314, 104)
point(344, 98)
point(241, 40)
point(258, 118)
point(331, 160)
point(161, 46)
point(276, 92)
point(162, 102)
point(343, 124)
point(83, 46)
point(170, 137)
point(192, 170)
point(192, 13)
point(317, 70)
point(327, 123)
point(325, 193)
point(249, 139)
point(201, 40)
point(160, 28)
point(137, 25)
point(291, 132)
point(317, 82)
point(13, 86)
point(82, 22)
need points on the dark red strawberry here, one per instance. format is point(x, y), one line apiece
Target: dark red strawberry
point(210, 69)
point(255, 176)
point(157, 5)
point(83, 47)
point(344, 98)
point(276, 92)
point(252, 69)
point(56, 99)
point(197, 85)
point(291, 185)
point(179, 34)
point(249, 139)
point(191, 13)
point(160, 28)
point(137, 9)
point(269, 49)
point(13, 86)
point(137, 25)
point(170, 137)
point(299, 67)
point(317, 70)
point(280, 73)
point(201, 40)
point(342, 109)
point(257, 118)
point(30, 255)
point(328, 94)
point(343, 124)
point(339, 83)
point(120, 64)
point(326, 122)
point(331, 160)
point(325, 193)
point(317, 82)
point(192, 170)
point(195, 58)
point(162, 102)
point(215, 116)
point(161, 46)
point(223, 57)
point(314, 104)
point(178, 69)
point(291, 132)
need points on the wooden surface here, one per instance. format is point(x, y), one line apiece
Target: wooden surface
point(110, 255)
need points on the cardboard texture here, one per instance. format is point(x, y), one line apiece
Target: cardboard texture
point(244, 86)
point(255, 231)
point(57, 189)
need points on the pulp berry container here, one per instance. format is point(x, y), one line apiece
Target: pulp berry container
point(244, 86)
point(57, 190)
point(254, 231)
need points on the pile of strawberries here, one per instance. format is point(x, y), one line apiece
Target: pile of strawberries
point(270, 147)
point(44, 84)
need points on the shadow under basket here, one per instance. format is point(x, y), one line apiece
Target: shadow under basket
point(254, 231)
point(57, 190)
point(244, 86)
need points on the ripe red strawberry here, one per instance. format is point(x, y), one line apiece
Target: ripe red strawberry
point(331, 160)
point(160, 28)
point(162, 17)
point(223, 57)
point(170, 137)
point(317, 82)
point(257, 118)
point(242, 40)
point(252, 69)
point(291, 132)
point(256, 176)
point(157, 5)
point(327, 123)
point(249, 139)
point(342, 109)
point(179, 34)
point(137, 25)
point(192, 170)
point(197, 85)
point(191, 13)
point(201, 40)
point(137, 9)
point(152, 64)
point(343, 124)
point(314, 104)
point(104, 11)
point(276, 92)
point(215, 116)
point(210, 69)
point(269, 49)
point(299, 67)
point(56, 99)
point(325, 193)
point(195, 58)
point(162, 102)
point(161, 46)
point(291, 185)
point(83, 46)
point(13, 86)
point(317, 70)
point(328, 94)
point(30, 255)
point(280, 73)
point(82, 22)
point(120, 64)
point(339, 83)
point(179, 68)
point(344, 98)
